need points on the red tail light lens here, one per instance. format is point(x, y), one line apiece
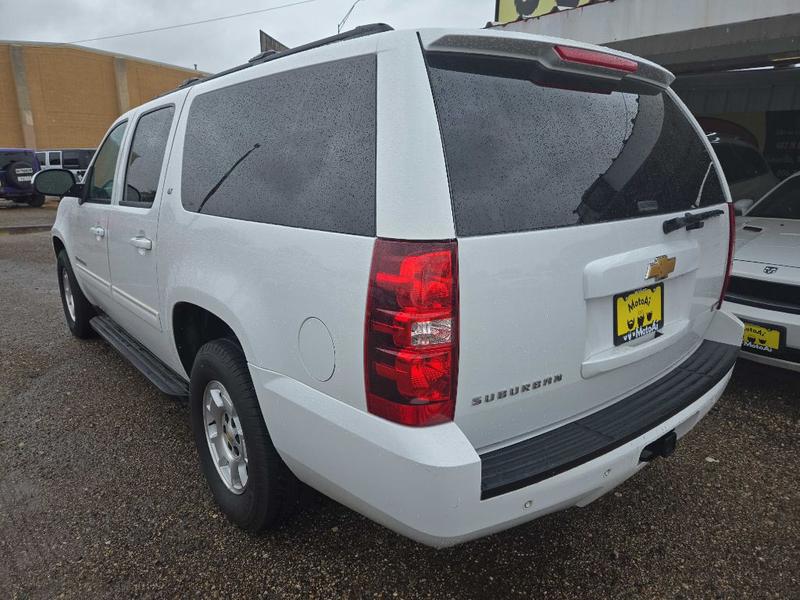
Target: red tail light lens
point(411, 334)
point(596, 59)
point(731, 250)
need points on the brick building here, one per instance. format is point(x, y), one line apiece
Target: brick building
point(62, 96)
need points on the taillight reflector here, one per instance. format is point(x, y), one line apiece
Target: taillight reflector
point(411, 332)
point(597, 59)
point(731, 250)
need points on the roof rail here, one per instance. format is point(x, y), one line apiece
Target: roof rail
point(268, 55)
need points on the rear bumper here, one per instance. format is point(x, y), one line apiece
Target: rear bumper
point(426, 483)
point(789, 357)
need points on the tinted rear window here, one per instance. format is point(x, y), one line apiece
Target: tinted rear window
point(294, 148)
point(523, 154)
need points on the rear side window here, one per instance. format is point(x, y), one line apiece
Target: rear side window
point(55, 158)
point(146, 157)
point(294, 148)
point(524, 154)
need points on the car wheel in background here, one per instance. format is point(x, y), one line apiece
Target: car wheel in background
point(248, 479)
point(77, 309)
point(36, 200)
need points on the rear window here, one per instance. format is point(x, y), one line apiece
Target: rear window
point(295, 148)
point(8, 157)
point(782, 203)
point(523, 154)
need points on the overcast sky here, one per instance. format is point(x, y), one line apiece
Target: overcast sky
point(218, 45)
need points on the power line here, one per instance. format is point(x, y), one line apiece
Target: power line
point(252, 12)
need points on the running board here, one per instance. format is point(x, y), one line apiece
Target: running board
point(159, 374)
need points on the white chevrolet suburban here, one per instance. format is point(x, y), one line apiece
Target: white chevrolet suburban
point(454, 280)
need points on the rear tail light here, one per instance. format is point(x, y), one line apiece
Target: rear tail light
point(596, 59)
point(731, 249)
point(411, 332)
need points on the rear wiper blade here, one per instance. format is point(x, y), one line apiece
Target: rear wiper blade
point(690, 220)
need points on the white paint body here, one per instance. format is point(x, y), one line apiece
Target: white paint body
point(296, 300)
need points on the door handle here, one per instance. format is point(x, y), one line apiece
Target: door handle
point(142, 243)
point(98, 231)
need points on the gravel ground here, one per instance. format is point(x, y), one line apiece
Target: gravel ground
point(15, 215)
point(101, 496)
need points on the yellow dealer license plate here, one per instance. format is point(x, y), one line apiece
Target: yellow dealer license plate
point(638, 313)
point(765, 339)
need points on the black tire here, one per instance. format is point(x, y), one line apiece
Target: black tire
point(271, 493)
point(36, 200)
point(79, 326)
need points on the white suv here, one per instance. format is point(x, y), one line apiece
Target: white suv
point(453, 279)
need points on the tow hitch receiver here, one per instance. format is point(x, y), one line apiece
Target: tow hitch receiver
point(663, 446)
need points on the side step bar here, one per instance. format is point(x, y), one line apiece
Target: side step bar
point(159, 374)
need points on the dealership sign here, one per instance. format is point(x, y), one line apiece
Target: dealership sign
point(511, 10)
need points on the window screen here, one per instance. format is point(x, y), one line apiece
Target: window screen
point(146, 157)
point(295, 148)
point(525, 152)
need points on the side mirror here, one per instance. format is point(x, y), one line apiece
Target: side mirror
point(742, 206)
point(53, 182)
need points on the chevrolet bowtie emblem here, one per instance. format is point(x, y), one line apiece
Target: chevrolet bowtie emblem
point(660, 268)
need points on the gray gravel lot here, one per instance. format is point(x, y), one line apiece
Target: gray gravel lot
point(17, 215)
point(101, 495)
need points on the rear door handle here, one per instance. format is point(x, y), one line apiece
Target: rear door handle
point(142, 243)
point(98, 231)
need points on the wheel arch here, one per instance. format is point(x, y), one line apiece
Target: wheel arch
point(194, 325)
point(58, 245)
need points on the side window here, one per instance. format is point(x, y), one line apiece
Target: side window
point(55, 159)
point(42, 158)
point(295, 148)
point(100, 184)
point(146, 157)
point(70, 159)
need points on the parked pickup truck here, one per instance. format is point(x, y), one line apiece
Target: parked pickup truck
point(453, 279)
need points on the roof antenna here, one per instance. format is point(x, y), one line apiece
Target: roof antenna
point(346, 16)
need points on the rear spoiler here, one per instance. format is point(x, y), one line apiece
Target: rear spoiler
point(552, 54)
